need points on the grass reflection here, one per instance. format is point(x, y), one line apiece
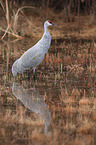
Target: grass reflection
point(66, 84)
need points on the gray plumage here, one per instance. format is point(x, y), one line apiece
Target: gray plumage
point(33, 56)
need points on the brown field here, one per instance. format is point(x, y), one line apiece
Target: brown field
point(60, 107)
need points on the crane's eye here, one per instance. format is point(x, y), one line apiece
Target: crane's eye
point(50, 22)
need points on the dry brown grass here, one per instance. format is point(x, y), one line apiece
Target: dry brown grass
point(87, 127)
point(64, 119)
point(87, 30)
point(12, 21)
point(66, 78)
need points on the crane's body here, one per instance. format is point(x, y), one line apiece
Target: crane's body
point(33, 56)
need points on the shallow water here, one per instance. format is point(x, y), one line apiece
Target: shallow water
point(60, 106)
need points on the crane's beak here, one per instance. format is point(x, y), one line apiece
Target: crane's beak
point(55, 24)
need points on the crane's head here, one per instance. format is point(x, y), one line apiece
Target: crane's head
point(49, 23)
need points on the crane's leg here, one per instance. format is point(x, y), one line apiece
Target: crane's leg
point(29, 75)
point(34, 74)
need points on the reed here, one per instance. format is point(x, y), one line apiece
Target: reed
point(11, 21)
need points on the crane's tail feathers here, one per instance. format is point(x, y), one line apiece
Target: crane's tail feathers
point(14, 68)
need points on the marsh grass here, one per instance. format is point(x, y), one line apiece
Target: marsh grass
point(16, 17)
point(73, 112)
point(70, 95)
point(12, 21)
point(66, 79)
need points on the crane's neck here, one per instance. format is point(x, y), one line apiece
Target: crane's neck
point(46, 29)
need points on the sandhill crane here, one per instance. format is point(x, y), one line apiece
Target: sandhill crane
point(34, 55)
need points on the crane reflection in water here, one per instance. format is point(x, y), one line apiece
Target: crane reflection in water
point(33, 101)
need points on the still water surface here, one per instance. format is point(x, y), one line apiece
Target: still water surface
point(60, 106)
